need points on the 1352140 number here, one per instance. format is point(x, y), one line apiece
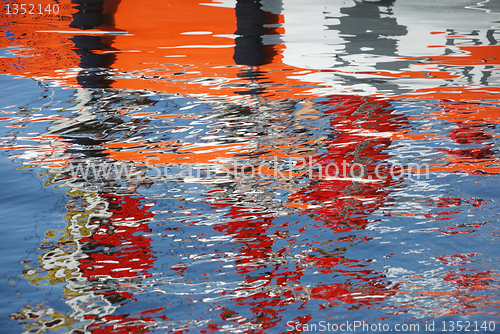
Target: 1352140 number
point(468, 326)
point(31, 9)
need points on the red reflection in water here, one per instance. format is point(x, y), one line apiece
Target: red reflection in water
point(118, 249)
point(118, 324)
point(342, 206)
point(470, 134)
point(448, 202)
point(468, 285)
point(130, 252)
point(361, 125)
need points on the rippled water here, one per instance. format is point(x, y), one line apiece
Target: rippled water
point(226, 115)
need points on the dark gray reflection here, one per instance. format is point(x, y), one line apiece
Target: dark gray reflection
point(253, 18)
point(92, 75)
point(94, 14)
point(369, 27)
point(250, 48)
point(250, 20)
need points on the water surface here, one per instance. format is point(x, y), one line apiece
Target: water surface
point(227, 114)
